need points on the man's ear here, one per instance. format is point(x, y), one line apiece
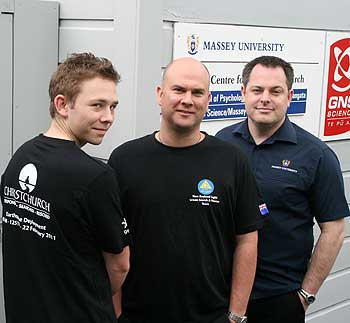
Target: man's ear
point(61, 105)
point(209, 98)
point(243, 90)
point(290, 96)
point(159, 95)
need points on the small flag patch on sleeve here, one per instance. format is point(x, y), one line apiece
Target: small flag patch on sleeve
point(263, 209)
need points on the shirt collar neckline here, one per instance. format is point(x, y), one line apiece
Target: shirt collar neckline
point(285, 133)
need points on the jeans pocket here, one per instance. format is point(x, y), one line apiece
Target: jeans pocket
point(123, 319)
point(300, 305)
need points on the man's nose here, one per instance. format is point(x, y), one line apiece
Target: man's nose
point(187, 98)
point(107, 115)
point(265, 97)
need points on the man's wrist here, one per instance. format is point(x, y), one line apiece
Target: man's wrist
point(308, 297)
point(233, 317)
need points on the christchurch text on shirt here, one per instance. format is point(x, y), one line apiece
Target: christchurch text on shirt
point(24, 197)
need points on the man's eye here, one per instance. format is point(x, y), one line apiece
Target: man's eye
point(276, 91)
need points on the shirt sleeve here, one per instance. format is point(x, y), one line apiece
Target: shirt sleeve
point(109, 224)
point(328, 201)
point(247, 214)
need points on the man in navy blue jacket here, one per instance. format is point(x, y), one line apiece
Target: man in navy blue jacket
point(300, 179)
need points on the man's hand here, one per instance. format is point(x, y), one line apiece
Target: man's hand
point(303, 302)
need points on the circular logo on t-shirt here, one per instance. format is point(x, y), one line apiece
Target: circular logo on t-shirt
point(27, 177)
point(205, 186)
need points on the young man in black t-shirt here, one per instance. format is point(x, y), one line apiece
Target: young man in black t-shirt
point(65, 240)
point(191, 203)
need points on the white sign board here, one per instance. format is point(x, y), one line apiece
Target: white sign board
point(335, 115)
point(225, 50)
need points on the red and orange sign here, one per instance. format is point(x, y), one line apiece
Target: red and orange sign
point(337, 119)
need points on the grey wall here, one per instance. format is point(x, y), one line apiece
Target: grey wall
point(34, 62)
point(26, 68)
point(312, 14)
point(6, 21)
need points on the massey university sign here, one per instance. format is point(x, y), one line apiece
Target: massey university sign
point(225, 50)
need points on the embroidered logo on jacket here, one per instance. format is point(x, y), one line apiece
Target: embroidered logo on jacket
point(285, 162)
point(285, 166)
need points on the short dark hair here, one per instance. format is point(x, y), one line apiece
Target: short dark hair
point(269, 61)
point(77, 68)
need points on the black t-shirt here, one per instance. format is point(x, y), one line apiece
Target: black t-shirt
point(61, 209)
point(184, 207)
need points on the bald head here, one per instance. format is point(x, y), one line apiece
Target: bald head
point(184, 97)
point(188, 65)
